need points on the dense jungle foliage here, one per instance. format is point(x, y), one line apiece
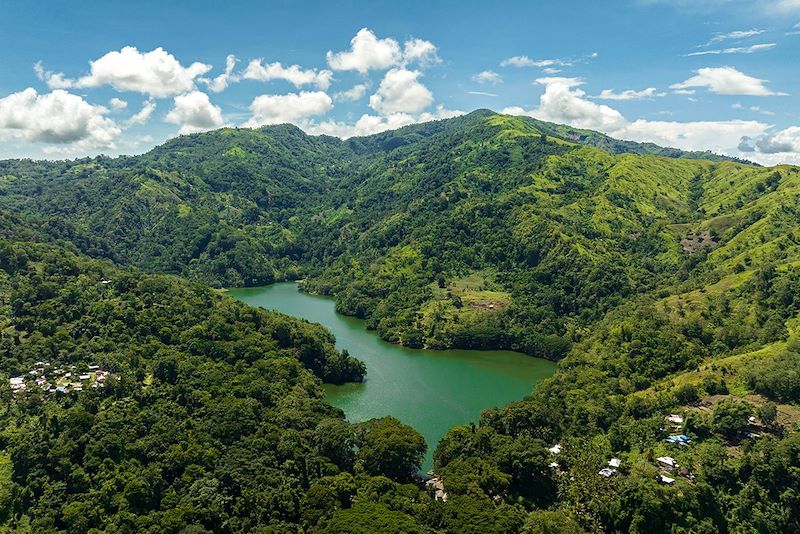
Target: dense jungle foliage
point(666, 283)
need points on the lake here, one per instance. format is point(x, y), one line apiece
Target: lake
point(431, 390)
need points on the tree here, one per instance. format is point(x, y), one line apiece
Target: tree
point(729, 418)
point(388, 447)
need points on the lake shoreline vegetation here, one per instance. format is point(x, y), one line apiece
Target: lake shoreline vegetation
point(666, 284)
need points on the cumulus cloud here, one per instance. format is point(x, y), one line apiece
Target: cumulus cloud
point(117, 104)
point(194, 112)
point(785, 141)
point(221, 82)
point(727, 81)
point(292, 107)
point(420, 51)
point(366, 52)
point(487, 76)
point(371, 124)
point(294, 74)
point(564, 102)
point(156, 73)
point(143, 115)
point(629, 94)
point(401, 92)
point(351, 95)
point(57, 117)
point(735, 50)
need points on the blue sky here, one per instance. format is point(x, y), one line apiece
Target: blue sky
point(83, 78)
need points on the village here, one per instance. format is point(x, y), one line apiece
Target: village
point(669, 468)
point(59, 380)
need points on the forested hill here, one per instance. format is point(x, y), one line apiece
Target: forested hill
point(479, 231)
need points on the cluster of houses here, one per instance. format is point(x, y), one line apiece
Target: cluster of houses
point(59, 380)
point(611, 470)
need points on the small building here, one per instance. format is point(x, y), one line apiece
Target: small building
point(94, 367)
point(553, 465)
point(615, 463)
point(680, 439)
point(664, 479)
point(674, 418)
point(667, 462)
point(83, 377)
point(606, 472)
point(555, 449)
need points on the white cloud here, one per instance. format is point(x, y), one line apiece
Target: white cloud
point(143, 115)
point(156, 73)
point(401, 92)
point(564, 102)
point(294, 74)
point(785, 141)
point(727, 81)
point(550, 71)
point(372, 124)
point(292, 107)
point(222, 81)
point(420, 51)
point(480, 93)
point(684, 91)
point(739, 34)
point(56, 118)
point(758, 109)
point(117, 104)
point(629, 94)
point(194, 112)
point(487, 76)
point(366, 52)
point(352, 94)
point(525, 61)
point(735, 50)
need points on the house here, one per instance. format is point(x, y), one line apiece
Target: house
point(83, 377)
point(674, 418)
point(614, 462)
point(606, 472)
point(553, 465)
point(680, 439)
point(753, 435)
point(664, 479)
point(751, 420)
point(94, 367)
point(105, 282)
point(436, 484)
point(667, 462)
point(555, 449)
point(17, 384)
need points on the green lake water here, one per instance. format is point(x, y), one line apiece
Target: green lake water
point(431, 390)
